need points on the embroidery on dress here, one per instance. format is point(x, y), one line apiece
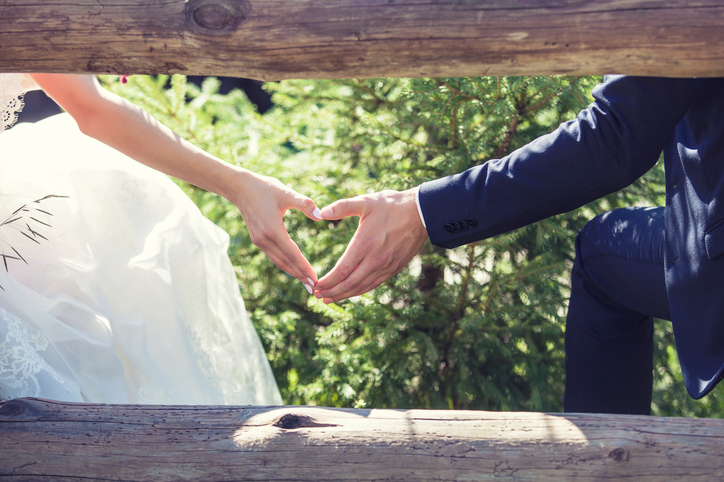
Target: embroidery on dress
point(20, 359)
point(11, 99)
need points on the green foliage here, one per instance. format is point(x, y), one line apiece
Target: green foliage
point(477, 327)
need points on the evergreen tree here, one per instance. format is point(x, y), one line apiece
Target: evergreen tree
point(477, 327)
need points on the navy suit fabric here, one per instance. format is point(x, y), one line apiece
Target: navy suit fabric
point(609, 145)
point(618, 286)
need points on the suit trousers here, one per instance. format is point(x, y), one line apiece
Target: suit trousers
point(617, 289)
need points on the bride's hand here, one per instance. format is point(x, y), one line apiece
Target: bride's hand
point(262, 202)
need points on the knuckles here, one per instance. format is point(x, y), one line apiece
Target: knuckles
point(343, 271)
point(348, 286)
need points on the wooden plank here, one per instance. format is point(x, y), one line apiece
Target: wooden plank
point(46, 440)
point(281, 39)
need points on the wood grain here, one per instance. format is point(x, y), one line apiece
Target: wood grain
point(281, 39)
point(45, 440)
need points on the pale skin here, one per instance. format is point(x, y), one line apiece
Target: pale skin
point(261, 200)
point(389, 235)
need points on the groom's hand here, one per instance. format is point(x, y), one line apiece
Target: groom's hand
point(389, 234)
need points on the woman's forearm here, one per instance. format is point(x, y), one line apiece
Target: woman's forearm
point(132, 131)
point(262, 201)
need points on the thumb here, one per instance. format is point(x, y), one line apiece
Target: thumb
point(307, 206)
point(343, 208)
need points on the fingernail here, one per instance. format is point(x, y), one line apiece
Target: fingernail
point(311, 283)
point(318, 296)
point(317, 213)
point(309, 288)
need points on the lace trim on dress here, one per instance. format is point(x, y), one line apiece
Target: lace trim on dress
point(11, 99)
point(20, 359)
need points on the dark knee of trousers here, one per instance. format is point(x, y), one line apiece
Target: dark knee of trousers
point(620, 259)
point(588, 244)
point(595, 238)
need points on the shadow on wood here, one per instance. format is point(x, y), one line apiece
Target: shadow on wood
point(47, 440)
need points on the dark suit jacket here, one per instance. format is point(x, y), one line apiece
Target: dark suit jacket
point(608, 146)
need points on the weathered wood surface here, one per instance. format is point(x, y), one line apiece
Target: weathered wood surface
point(279, 39)
point(45, 440)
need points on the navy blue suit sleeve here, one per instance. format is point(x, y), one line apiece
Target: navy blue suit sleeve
point(609, 145)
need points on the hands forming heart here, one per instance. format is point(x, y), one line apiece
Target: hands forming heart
point(389, 234)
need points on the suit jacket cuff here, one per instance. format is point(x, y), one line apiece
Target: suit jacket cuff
point(451, 221)
point(419, 209)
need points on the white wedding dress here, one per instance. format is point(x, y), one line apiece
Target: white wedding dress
point(132, 297)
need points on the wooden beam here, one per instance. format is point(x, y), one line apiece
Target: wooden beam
point(281, 39)
point(45, 440)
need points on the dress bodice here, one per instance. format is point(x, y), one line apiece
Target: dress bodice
point(12, 88)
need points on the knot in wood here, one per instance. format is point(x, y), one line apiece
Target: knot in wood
point(216, 16)
point(291, 421)
point(619, 454)
point(13, 407)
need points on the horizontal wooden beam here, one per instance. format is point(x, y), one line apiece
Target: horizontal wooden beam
point(46, 440)
point(281, 39)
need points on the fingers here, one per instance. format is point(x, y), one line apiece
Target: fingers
point(296, 261)
point(358, 284)
point(389, 234)
point(345, 208)
point(307, 206)
point(363, 267)
point(353, 255)
point(286, 255)
point(344, 276)
point(262, 205)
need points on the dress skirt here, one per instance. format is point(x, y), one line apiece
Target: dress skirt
point(130, 298)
